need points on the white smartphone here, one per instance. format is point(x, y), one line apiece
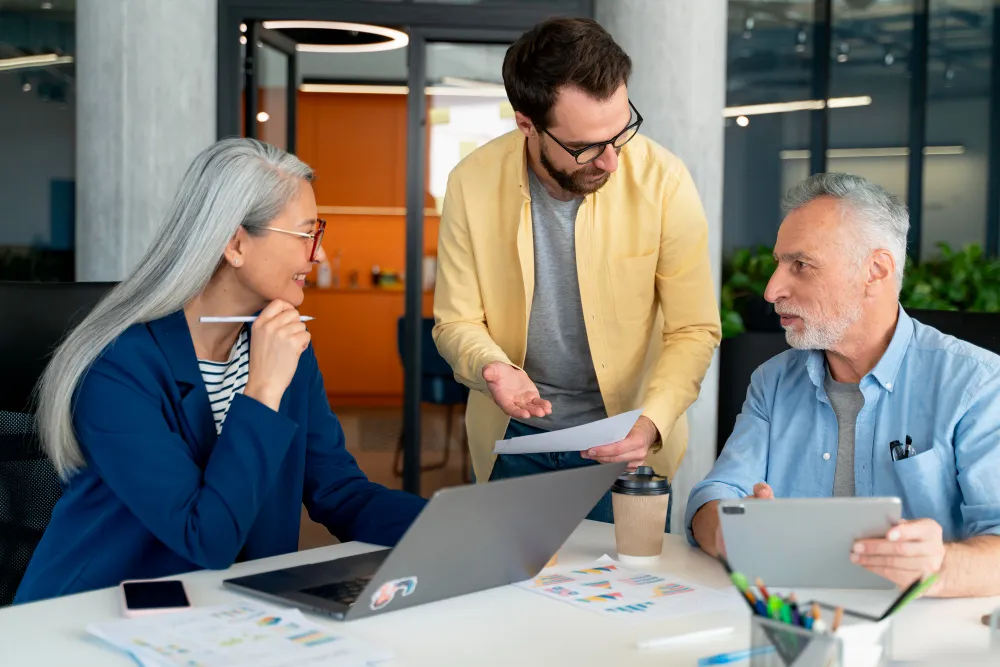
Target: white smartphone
point(141, 598)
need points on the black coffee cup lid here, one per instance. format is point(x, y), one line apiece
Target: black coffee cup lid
point(643, 482)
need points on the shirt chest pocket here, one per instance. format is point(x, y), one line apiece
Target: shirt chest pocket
point(922, 486)
point(633, 282)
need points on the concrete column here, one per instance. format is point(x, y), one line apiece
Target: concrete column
point(678, 49)
point(146, 99)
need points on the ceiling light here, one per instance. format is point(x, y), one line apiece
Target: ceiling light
point(803, 105)
point(46, 5)
point(23, 62)
point(889, 59)
point(889, 151)
point(844, 102)
point(243, 39)
point(843, 56)
point(243, 27)
point(396, 39)
point(263, 117)
point(497, 92)
point(352, 88)
point(802, 36)
point(26, 87)
point(742, 121)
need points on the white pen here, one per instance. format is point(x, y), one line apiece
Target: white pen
point(700, 635)
point(242, 318)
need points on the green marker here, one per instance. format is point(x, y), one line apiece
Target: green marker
point(786, 613)
point(916, 592)
point(774, 606)
point(740, 581)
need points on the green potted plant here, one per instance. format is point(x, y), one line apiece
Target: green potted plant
point(742, 295)
point(963, 280)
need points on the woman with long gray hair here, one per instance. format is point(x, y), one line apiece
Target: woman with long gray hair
point(186, 444)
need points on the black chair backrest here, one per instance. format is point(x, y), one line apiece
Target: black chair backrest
point(740, 356)
point(36, 316)
point(980, 329)
point(431, 361)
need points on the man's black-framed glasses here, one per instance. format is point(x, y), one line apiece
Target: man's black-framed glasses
point(588, 154)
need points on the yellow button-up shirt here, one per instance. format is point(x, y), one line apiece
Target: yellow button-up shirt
point(645, 285)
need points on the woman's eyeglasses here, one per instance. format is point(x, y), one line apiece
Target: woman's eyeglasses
point(588, 154)
point(316, 235)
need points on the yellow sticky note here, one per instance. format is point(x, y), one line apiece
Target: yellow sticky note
point(440, 116)
point(466, 147)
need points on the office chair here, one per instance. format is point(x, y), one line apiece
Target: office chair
point(36, 317)
point(439, 387)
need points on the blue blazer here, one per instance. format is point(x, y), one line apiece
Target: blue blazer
point(162, 494)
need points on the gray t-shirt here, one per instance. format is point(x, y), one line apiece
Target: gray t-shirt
point(558, 357)
point(847, 401)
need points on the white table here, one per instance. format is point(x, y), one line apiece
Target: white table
point(504, 626)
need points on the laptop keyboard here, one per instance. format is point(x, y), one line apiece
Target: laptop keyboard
point(344, 592)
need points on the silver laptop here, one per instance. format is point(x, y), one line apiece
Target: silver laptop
point(467, 539)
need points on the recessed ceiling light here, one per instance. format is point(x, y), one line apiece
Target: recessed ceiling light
point(742, 121)
point(46, 5)
point(263, 117)
point(243, 27)
point(396, 39)
point(243, 39)
point(802, 105)
point(25, 62)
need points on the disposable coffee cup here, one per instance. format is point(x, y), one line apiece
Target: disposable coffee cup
point(640, 501)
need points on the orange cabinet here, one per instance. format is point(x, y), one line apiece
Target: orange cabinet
point(354, 335)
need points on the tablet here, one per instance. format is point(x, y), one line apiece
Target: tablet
point(805, 542)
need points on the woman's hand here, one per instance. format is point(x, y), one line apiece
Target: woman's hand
point(279, 339)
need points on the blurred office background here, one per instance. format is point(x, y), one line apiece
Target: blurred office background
point(103, 103)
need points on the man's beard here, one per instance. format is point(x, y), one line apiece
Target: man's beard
point(579, 182)
point(819, 335)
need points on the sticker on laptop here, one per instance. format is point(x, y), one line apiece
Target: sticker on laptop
point(387, 592)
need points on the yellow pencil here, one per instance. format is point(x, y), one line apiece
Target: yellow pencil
point(838, 616)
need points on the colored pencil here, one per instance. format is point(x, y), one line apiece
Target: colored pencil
point(793, 603)
point(838, 616)
point(760, 585)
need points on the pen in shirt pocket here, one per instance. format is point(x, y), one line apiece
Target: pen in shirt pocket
point(899, 451)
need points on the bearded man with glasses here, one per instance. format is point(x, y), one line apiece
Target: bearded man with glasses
point(573, 270)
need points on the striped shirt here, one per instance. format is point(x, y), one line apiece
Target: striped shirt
point(223, 380)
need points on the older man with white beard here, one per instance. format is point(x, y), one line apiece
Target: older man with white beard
point(824, 419)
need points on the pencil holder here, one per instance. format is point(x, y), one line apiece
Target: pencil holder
point(858, 642)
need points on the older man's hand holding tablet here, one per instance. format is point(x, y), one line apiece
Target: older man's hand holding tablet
point(806, 542)
point(824, 424)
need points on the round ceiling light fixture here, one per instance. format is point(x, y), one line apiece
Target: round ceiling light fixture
point(354, 37)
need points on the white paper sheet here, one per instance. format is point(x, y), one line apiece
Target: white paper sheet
point(247, 633)
point(609, 589)
point(576, 439)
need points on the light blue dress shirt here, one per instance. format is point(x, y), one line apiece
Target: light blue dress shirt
point(942, 392)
